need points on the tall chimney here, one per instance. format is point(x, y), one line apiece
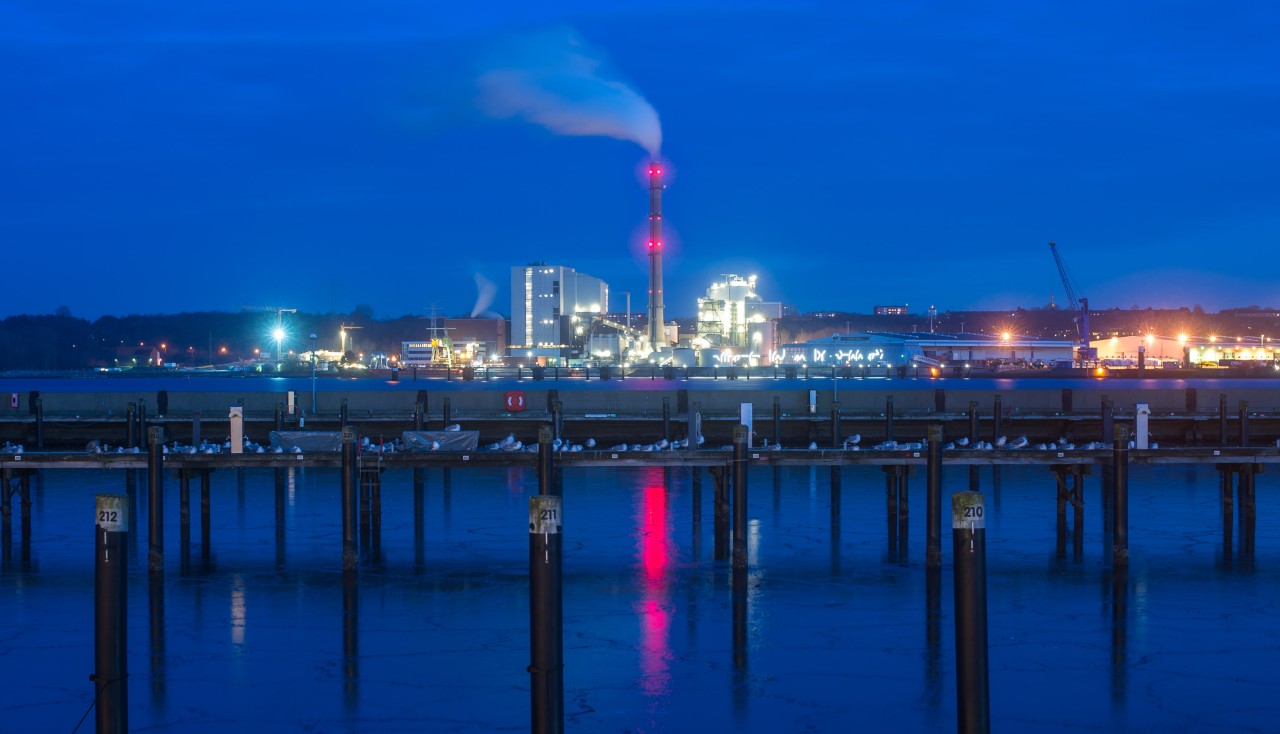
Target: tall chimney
point(657, 323)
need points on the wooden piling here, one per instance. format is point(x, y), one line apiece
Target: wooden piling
point(350, 552)
point(546, 667)
point(888, 418)
point(933, 499)
point(1244, 423)
point(155, 501)
point(666, 418)
point(720, 505)
point(836, 440)
point(968, 542)
point(740, 497)
point(1120, 500)
point(110, 671)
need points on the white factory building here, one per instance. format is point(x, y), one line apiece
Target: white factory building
point(735, 325)
point(545, 299)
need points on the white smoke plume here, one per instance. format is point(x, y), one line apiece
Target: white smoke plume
point(554, 79)
point(485, 292)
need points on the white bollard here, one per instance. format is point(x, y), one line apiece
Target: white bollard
point(1141, 413)
point(237, 430)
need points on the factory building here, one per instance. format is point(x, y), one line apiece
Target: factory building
point(878, 349)
point(735, 325)
point(545, 299)
point(1182, 350)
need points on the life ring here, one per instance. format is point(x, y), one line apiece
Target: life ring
point(515, 401)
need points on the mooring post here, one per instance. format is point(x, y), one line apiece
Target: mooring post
point(419, 423)
point(1107, 419)
point(740, 497)
point(557, 419)
point(1222, 419)
point(142, 424)
point(546, 668)
point(997, 420)
point(888, 418)
point(195, 427)
point(545, 459)
point(446, 415)
point(184, 517)
point(1227, 494)
point(891, 502)
point(1191, 400)
point(1244, 423)
point(969, 546)
point(131, 429)
point(279, 419)
point(1077, 524)
point(939, 400)
point(666, 419)
point(40, 424)
point(835, 424)
point(110, 589)
point(155, 501)
point(777, 421)
point(904, 472)
point(204, 516)
point(933, 499)
point(1248, 510)
point(6, 517)
point(350, 554)
point(1067, 400)
point(720, 509)
point(974, 440)
point(342, 414)
point(1120, 501)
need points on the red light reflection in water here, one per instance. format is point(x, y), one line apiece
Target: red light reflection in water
point(654, 608)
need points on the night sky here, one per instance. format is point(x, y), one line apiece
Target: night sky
point(167, 156)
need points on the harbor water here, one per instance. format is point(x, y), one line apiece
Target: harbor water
point(264, 630)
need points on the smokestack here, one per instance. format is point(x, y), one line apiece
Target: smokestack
point(657, 323)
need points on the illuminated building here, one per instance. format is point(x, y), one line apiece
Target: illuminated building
point(544, 300)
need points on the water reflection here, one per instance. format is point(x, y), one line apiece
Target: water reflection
point(655, 551)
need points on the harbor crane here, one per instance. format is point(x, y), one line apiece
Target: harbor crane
point(1079, 306)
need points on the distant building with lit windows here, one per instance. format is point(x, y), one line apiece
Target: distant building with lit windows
point(544, 300)
point(890, 310)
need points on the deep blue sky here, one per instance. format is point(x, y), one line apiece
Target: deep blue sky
point(164, 156)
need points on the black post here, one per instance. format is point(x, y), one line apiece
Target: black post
point(40, 424)
point(279, 422)
point(419, 416)
point(155, 501)
point(557, 418)
point(545, 461)
point(969, 545)
point(184, 516)
point(740, 497)
point(903, 473)
point(888, 418)
point(695, 425)
point(204, 516)
point(720, 509)
point(933, 499)
point(1191, 400)
point(1107, 419)
point(546, 622)
point(446, 416)
point(940, 400)
point(110, 587)
point(195, 427)
point(350, 554)
point(835, 424)
point(1222, 419)
point(777, 421)
point(1248, 511)
point(342, 414)
point(131, 428)
point(1120, 501)
point(974, 440)
point(891, 503)
point(997, 420)
point(1244, 423)
point(666, 419)
point(142, 423)
point(1067, 401)
point(419, 423)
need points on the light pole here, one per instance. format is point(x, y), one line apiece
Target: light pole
point(313, 373)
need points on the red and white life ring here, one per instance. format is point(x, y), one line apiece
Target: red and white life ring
point(515, 400)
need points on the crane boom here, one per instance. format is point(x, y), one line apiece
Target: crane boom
point(1080, 306)
point(1066, 280)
